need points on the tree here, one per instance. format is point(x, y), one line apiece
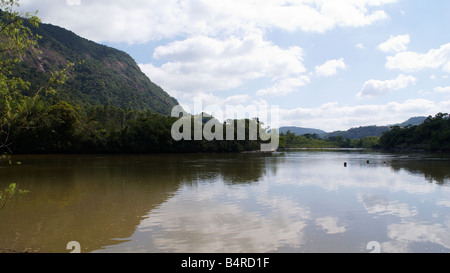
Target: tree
point(8, 193)
point(16, 41)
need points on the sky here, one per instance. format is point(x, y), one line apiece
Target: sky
point(326, 64)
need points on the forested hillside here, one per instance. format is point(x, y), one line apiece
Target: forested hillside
point(361, 132)
point(101, 75)
point(432, 135)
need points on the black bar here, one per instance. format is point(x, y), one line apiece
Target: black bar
point(199, 262)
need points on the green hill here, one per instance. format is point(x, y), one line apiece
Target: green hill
point(370, 131)
point(360, 132)
point(102, 75)
point(301, 131)
point(433, 134)
point(412, 121)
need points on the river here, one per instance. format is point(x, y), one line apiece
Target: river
point(284, 202)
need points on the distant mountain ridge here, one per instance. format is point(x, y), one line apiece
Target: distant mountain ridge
point(412, 121)
point(361, 132)
point(301, 130)
point(353, 133)
point(102, 75)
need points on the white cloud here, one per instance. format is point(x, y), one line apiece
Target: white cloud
point(395, 44)
point(73, 2)
point(442, 89)
point(377, 88)
point(360, 46)
point(208, 46)
point(203, 64)
point(332, 116)
point(409, 61)
point(330, 68)
point(284, 86)
point(207, 99)
point(141, 21)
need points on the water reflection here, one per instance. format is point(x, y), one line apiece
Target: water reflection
point(330, 224)
point(381, 205)
point(309, 204)
point(210, 222)
point(433, 168)
point(283, 202)
point(414, 236)
point(97, 199)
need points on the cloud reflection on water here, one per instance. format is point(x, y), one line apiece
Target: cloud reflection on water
point(308, 199)
point(212, 223)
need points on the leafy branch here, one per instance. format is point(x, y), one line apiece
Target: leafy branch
point(7, 194)
point(17, 41)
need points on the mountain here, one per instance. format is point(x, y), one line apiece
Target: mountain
point(354, 133)
point(101, 76)
point(412, 121)
point(361, 132)
point(301, 131)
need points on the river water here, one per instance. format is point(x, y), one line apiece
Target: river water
point(286, 202)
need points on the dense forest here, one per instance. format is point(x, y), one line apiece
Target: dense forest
point(432, 135)
point(63, 128)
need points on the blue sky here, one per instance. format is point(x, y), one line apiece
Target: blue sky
point(327, 64)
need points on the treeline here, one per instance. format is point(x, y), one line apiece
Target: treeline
point(64, 128)
point(291, 140)
point(432, 135)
